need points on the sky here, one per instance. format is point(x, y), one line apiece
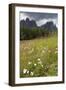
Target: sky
point(40, 18)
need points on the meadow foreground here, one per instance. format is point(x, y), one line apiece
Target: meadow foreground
point(39, 57)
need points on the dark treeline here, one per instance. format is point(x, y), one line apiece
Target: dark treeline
point(29, 30)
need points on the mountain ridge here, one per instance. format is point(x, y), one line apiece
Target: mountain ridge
point(32, 24)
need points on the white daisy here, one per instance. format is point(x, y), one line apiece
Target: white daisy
point(29, 63)
point(43, 51)
point(42, 65)
point(38, 59)
point(31, 73)
point(27, 72)
point(24, 71)
point(39, 62)
point(45, 48)
point(35, 64)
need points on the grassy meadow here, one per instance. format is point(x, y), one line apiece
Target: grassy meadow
point(39, 57)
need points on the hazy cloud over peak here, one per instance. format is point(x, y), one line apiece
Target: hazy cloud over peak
point(40, 18)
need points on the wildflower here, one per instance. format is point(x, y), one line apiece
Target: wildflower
point(35, 64)
point(31, 73)
point(42, 65)
point(56, 48)
point(24, 71)
point(38, 59)
point(27, 72)
point(45, 48)
point(43, 51)
point(40, 62)
point(29, 63)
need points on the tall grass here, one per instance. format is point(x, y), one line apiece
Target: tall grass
point(39, 57)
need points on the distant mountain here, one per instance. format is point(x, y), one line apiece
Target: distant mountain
point(30, 30)
point(49, 26)
point(28, 23)
point(32, 24)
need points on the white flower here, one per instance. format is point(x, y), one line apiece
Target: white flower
point(40, 62)
point(43, 51)
point(24, 71)
point(35, 64)
point(29, 63)
point(56, 48)
point(31, 73)
point(45, 48)
point(38, 59)
point(42, 65)
point(27, 72)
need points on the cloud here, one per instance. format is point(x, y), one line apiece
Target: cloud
point(23, 16)
point(40, 18)
point(43, 21)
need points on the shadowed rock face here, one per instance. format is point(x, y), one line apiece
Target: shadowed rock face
point(49, 26)
point(30, 30)
point(28, 23)
point(32, 24)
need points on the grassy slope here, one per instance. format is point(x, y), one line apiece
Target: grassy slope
point(38, 57)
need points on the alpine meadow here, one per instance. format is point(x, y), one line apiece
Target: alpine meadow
point(38, 44)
